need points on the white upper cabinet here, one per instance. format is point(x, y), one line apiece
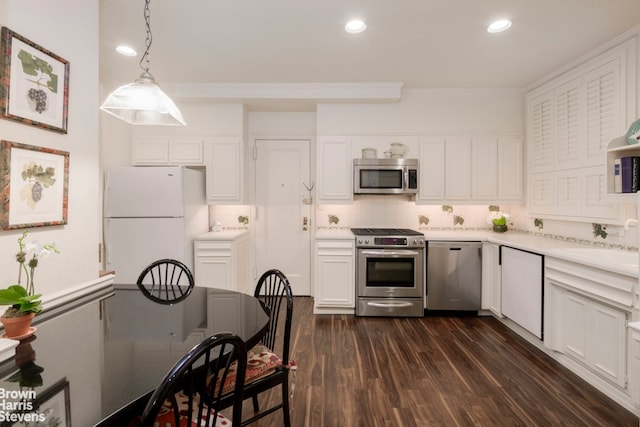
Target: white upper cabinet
point(471, 169)
point(224, 162)
point(570, 121)
point(335, 166)
point(510, 171)
point(458, 168)
point(168, 151)
point(431, 163)
point(568, 153)
point(604, 109)
point(539, 122)
point(484, 168)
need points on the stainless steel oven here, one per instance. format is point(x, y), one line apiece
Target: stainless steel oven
point(390, 272)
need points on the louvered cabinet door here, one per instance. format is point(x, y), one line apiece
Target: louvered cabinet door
point(604, 109)
point(568, 144)
point(541, 194)
point(540, 133)
point(569, 194)
point(598, 204)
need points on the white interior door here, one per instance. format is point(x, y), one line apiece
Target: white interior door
point(282, 239)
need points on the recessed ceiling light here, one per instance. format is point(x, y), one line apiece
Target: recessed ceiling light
point(126, 51)
point(499, 26)
point(355, 26)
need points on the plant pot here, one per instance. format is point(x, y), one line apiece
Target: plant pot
point(499, 228)
point(16, 326)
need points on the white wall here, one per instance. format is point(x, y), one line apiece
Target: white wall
point(282, 124)
point(69, 28)
point(424, 111)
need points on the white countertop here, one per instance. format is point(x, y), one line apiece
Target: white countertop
point(528, 242)
point(223, 235)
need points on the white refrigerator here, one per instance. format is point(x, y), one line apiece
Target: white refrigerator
point(151, 213)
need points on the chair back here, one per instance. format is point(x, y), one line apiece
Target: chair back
point(166, 281)
point(274, 292)
point(190, 392)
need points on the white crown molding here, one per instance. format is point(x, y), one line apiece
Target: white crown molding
point(321, 92)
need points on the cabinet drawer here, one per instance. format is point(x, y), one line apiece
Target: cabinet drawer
point(335, 248)
point(213, 249)
point(607, 286)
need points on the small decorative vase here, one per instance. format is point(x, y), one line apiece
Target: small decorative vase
point(499, 228)
point(16, 326)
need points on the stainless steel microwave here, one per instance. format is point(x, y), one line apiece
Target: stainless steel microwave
point(385, 176)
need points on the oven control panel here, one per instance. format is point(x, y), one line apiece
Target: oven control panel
point(390, 242)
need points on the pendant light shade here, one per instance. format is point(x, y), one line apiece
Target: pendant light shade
point(143, 102)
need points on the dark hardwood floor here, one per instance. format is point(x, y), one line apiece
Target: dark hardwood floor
point(432, 371)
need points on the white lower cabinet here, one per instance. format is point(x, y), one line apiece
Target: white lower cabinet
point(223, 264)
point(491, 279)
point(586, 321)
point(334, 281)
point(596, 335)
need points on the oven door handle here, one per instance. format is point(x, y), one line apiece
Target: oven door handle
point(385, 304)
point(391, 252)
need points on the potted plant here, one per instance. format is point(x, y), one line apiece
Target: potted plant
point(497, 219)
point(23, 302)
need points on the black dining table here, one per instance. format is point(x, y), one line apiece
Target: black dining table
point(105, 357)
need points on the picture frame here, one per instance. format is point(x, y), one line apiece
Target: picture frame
point(54, 404)
point(34, 186)
point(34, 83)
point(51, 406)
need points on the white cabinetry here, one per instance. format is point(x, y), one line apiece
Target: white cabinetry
point(595, 335)
point(587, 310)
point(510, 170)
point(471, 169)
point(334, 173)
point(334, 281)
point(570, 121)
point(168, 151)
point(224, 162)
point(457, 160)
point(491, 278)
point(432, 169)
point(222, 264)
point(484, 168)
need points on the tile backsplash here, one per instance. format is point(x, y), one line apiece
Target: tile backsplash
point(392, 211)
point(400, 211)
point(230, 217)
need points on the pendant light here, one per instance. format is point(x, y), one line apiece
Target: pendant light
point(143, 102)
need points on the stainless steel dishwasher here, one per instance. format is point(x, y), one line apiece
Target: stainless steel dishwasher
point(454, 276)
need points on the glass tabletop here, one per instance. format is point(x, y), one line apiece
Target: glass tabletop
point(93, 360)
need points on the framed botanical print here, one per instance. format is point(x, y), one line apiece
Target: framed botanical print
point(34, 83)
point(34, 183)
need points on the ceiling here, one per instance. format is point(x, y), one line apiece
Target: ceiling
point(419, 43)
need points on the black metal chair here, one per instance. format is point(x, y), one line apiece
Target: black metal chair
point(166, 281)
point(268, 364)
point(190, 394)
